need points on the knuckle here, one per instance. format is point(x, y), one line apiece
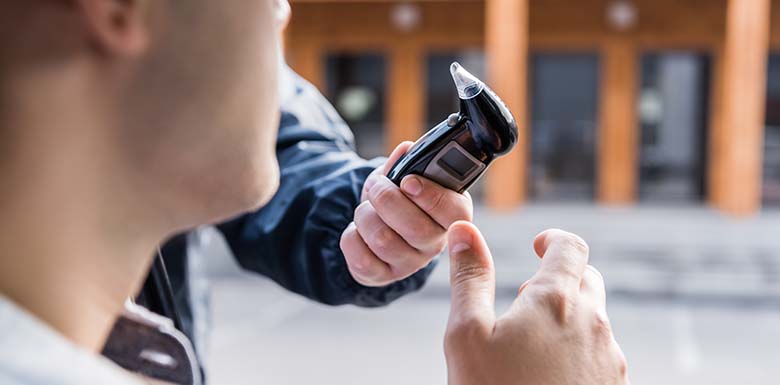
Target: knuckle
point(359, 272)
point(465, 207)
point(398, 272)
point(383, 196)
point(623, 366)
point(595, 278)
point(413, 263)
point(361, 210)
point(436, 201)
point(360, 278)
point(595, 272)
point(410, 264)
point(557, 301)
point(462, 332)
point(347, 237)
point(522, 288)
point(451, 342)
point(601, 324)
point(438, 247)
point(575, 242)
point(456, 206)
point(430, 246)
point(366, 274)
point(566, 275)
point(383, 240)
point(382, 276)
point(620, 362)
point(424, 235)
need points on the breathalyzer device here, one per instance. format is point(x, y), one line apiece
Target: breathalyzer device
point(457, 151)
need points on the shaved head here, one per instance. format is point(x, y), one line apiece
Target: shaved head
point(183, 93)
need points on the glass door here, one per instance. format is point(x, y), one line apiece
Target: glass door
point(771, 185)
point(673, 118)
point(355, 84)
point(564, 94)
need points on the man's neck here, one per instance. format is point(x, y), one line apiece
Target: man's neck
point(73, 246)
point(62, 265)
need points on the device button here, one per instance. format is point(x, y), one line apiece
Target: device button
point(453, 119)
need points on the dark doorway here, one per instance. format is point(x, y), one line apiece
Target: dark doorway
point(564, 89)
point(771, 189)
point(673, 105)
point(356, 87)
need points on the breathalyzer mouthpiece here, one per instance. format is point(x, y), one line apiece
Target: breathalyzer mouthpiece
point(468, 85)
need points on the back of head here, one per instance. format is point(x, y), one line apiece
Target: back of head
point(165, 106)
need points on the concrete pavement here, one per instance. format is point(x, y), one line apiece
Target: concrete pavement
point(694, 299)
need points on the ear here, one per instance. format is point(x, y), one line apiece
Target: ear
point(282, 14)
point(118, 27)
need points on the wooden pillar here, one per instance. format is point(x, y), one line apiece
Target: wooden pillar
point(740, 135)
point(306, 58)
point(506, 40)
point(406, 94)
point(716, 138)
point(618, 140)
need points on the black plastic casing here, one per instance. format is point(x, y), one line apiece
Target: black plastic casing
point(485, 128)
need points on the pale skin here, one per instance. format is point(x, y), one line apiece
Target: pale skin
point(398, 230)
point(125, 121)
point(556, 332)
point(114, 137)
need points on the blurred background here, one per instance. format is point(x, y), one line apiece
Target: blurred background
point(649, 127)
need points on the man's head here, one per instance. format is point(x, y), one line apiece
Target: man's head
point(174, 101)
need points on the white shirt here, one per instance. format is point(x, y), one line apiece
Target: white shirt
point(32, 353)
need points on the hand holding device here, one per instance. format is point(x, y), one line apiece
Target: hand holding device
point(397, 231)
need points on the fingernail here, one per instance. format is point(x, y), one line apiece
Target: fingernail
point(460, 247)
point(412, 186)
point(459, 239)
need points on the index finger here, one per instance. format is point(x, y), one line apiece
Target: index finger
point(397, 153)
point(564, 257)
point(445, 206)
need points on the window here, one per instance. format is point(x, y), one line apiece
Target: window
point(564, 94)
point(355, 84)
point(673, 116)
point(772, 134)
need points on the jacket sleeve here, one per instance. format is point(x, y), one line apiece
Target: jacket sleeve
point(294, 239)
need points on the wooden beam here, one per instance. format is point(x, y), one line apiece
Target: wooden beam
point(715, 169)
point(506, 48)
point(406, 95)
point(741, 132)
point(306, 58)
point(618, 140)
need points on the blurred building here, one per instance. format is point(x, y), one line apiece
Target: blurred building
point(619, 101)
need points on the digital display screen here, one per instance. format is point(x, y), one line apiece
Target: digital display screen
point(456, 163)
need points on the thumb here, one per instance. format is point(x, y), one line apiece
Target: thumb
point(472, 277)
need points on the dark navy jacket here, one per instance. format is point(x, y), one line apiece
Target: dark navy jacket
point(294, 239)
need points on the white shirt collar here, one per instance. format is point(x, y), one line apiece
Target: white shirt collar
point(32, 353)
